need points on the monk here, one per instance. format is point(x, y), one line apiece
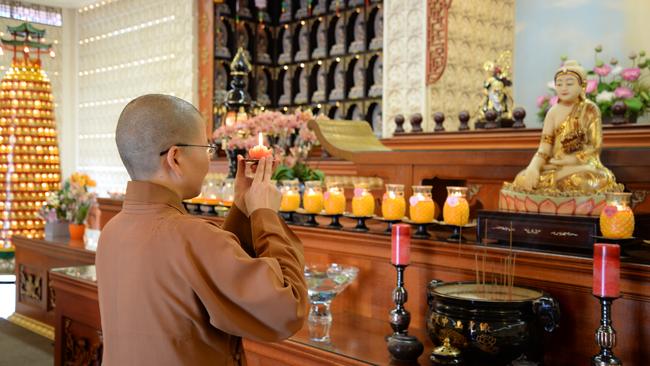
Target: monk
point(176, 289)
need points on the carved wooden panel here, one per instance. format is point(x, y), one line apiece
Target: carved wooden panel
point(437, 11)
point(82, 344)
point(31, 285)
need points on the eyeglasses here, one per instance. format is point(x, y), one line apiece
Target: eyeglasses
point(210, 149)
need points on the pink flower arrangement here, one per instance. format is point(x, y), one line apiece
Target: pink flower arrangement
point(611, 83)
point(631, 73)
point(287, 134)
point(603, 70)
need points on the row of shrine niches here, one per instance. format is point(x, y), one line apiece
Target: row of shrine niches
point(351, 77)
point(369, 111)
point(351, 31)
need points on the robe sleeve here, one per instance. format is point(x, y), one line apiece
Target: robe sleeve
point(261, 298)
point(240, 225)
point(594, 134)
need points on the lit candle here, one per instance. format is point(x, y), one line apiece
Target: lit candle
point(607, 264)
point(259, 151)
point(401, 245)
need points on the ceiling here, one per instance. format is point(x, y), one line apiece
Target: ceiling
point(63, 3)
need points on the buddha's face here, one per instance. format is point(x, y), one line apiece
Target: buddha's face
point(568, 88)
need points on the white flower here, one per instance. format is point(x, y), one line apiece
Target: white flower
point(616, 70)
point(551, 84)
point(604, 96)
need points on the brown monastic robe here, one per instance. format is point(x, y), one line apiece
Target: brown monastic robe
point(175, 289)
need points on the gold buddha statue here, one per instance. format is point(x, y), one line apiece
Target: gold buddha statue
point(567, 161)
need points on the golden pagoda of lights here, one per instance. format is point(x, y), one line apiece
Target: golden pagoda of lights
point(29, 152)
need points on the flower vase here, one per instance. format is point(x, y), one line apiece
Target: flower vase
point(57, 230)
point(77, 231)
point(231, 154)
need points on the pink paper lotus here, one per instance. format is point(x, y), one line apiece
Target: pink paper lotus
point(531, 206)
point(585, 207)
point(603, 70)
point(567, 208)
point(623, 92)
point(592, 86)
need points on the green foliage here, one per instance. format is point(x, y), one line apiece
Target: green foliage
point(299, 171)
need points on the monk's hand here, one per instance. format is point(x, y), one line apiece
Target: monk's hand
point(242, 185)
point(262, 192)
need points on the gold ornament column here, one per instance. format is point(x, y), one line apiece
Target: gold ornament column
point(29, 152)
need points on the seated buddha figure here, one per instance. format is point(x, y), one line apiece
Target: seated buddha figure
point(567, 162)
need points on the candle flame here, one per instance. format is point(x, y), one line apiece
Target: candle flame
point(260, 139)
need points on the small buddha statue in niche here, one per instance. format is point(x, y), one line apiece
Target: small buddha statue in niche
point(303, 88)
point(221, 39)
point(567, 162)
point(321, 85)
point(244, 9)
point(303, 10)
point(243, 40)
point(320, 8)
point(356, 114)
point(377, 41)
point(262, 89)
point(287, 47)
point(339, 38)
point(288, 13)
point(359, 79)
point(321, 41)
point(303, 44)
point(263, 48)
point(377, 124)
point(338, 92)
point(359, 34)
point(377, 75)
point(285, 98)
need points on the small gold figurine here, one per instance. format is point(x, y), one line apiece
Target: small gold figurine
point(497, 97)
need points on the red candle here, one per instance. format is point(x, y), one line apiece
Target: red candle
point(607, 270)
point(401, 245)
point(259, 151)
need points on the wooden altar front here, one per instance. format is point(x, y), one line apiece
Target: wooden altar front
point(361, 311)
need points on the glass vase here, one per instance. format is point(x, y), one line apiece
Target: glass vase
point(393, 204)
point(421, 206)
point(456, 209)
point(616, 218)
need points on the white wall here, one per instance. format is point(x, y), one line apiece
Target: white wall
point(127, 48)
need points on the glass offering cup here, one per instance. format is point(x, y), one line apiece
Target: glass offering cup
point(312, 198)
point(393, 204)
point(616, 218)
point(363, 202)
point(334, 199)
point(324, 282)
point(421, 206)
point(290, 195)
point(456, 209)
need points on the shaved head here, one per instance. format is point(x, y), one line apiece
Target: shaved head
point(151, 124)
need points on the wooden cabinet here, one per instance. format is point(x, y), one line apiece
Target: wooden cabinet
point(78, 326)
point(34, 258)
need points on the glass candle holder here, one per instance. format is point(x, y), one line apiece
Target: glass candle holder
point(456, 209)
point(363, 203)
point(290, 195)
point(421, 206)
point(334, 199)
point(393, 204)
point(616, 218)
point(228, 191)
point(312, 199)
